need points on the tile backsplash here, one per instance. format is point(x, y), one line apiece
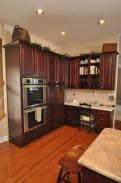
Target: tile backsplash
point(106, 97)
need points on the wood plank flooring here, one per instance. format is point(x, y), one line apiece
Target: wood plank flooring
point(37, 162)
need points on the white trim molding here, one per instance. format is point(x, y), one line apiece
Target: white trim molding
point(3, 139)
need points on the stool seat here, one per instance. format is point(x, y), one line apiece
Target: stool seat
point(70, 161)
point(69, 164)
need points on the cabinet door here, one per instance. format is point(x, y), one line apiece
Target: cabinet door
point(102, 120)
point(60, 104)
point(51, 68)
point(107, 71)
point(66, 73)
point(51, 103)
point(74, 73)
point(27, 59)
point(41, 64)
point(55, 105)
point(59, 70)
point(72, 115)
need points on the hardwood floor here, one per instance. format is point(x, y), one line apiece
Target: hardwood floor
point(37, 162)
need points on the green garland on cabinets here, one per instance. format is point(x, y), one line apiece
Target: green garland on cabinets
point(39, 47)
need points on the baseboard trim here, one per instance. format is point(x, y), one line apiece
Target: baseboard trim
point(3, 139)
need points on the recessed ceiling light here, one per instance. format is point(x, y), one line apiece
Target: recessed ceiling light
point(63, 33)
point(101, 22)
point(40, 12)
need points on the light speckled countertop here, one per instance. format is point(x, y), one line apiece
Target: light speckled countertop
point(104, 108)
point(104, 155)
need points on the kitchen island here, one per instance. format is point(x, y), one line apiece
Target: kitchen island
point(101, 163)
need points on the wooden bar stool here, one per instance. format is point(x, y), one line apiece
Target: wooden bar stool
point(69, 164)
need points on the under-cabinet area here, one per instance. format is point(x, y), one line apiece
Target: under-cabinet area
point(37, 88)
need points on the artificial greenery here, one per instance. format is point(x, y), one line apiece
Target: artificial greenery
point(93, 54)
point(64, 55)
point(45, 48)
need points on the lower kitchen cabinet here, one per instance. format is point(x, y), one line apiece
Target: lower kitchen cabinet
point(72, 115)
point(102, 120)
point(55, 103)
point(88, 176)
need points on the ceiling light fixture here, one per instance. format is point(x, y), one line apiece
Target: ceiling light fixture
point(101, 22)
point(63, 33)
point(39, 11)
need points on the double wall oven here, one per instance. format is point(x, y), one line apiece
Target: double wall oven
point(34, 102)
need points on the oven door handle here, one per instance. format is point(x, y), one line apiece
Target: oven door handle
point(34, 109)
point(33, 86)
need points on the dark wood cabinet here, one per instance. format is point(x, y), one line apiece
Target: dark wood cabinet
point(51, 68)
point(102, 120)
point(66, 72)
point(98, 72)
point(108, 71)
point(74, 73)
point(20, 62)
point(89, 72)
point(41, 64)
point(72, 115)
point(27, 61)
point(89, 176)
point(33, 62)
point(59, 70)
point(60, 104)
point(55, 103)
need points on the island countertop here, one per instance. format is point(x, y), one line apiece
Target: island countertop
point(104, 155)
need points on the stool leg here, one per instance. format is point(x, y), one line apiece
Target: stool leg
point(79, 178)
point(59, 176)
point(67, 177)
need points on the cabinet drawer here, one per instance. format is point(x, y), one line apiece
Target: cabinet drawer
point(103, 118)
point(103, 113)
point(105, 123)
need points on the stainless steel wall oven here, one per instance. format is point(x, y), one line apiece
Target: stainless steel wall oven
point(34, 103)
point(34, 117)
point(34, 92)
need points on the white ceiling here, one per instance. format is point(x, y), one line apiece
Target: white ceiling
point(78, 18)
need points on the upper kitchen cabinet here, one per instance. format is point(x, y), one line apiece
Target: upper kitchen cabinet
point(33, 62)
point(107, 71)
point(66, 72)
point(89, 71)
point(60, 70)
point(27, 60)
point(51, 68)
point(98, 71)
point(74, 73)
point(41, 64)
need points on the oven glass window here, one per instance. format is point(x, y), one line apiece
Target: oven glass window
point(35, 95)
point(35, 117)
point(32, 121)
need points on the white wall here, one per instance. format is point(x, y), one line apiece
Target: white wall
point(90, 96)
point(6, 36)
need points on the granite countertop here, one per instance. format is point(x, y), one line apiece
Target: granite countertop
point(104, 155)
point(98, 107)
